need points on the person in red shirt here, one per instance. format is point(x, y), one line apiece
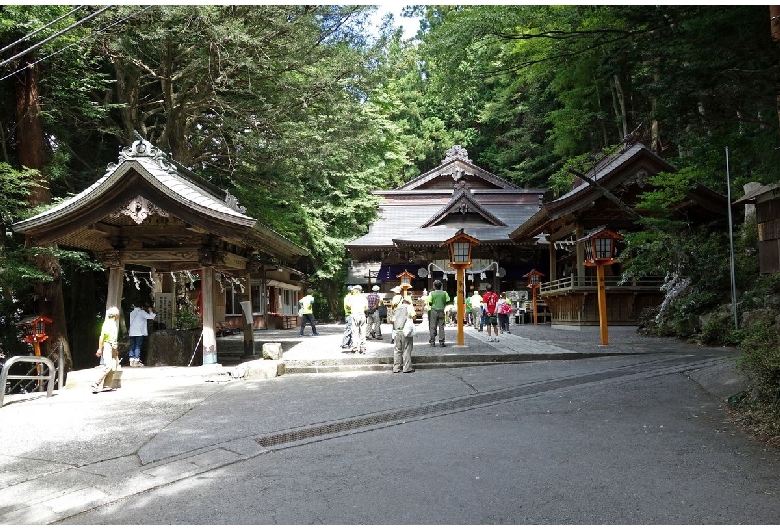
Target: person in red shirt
point(490, 299)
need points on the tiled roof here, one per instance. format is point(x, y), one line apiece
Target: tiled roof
point(403, 222)
point(172, 181)
point(429, 209)
point(160, 173)
point(609, 165)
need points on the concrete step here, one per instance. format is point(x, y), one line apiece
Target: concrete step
point(259, 369)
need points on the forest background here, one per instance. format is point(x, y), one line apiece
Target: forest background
point(302, 111)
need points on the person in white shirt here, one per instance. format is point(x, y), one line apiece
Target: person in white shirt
point(138, 329)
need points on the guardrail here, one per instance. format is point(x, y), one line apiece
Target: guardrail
point(589, 283)
point(60, 374)
point(51, 377)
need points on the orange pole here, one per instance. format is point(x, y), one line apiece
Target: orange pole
point(461, 301)
point(533, 289)
point(602, 304)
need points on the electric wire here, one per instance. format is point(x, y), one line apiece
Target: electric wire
point(101, 30)
point(44, 41)
point(26, 37)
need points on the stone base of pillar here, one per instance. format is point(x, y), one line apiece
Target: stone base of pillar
point(175, 347)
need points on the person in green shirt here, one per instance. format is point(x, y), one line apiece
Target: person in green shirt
point(307, 313)
point(438, 300)
point(108, 343)
point(346, 339)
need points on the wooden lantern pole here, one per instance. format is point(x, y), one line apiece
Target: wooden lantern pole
point(602, 300)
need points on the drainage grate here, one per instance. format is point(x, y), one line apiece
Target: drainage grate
point(469, 402)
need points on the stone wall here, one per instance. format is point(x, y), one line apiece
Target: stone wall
point(174, 347)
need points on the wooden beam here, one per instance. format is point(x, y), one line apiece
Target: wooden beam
point(104, 228)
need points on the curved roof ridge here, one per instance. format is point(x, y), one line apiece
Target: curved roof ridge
point(462, 194)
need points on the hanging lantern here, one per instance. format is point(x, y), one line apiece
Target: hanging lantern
point(460, 246)
point(600, 246)
point(534, 278)
point(406, 278)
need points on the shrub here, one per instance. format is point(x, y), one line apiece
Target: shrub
point(760, 357)
point(719, 331)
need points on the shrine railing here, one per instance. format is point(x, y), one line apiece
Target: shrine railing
point(589, 283)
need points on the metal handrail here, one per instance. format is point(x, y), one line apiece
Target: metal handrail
point(573, 282)
point(28, 359)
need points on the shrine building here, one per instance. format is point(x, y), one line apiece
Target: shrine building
point(417, 217)
point(150, 219)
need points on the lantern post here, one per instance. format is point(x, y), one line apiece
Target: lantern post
point(534, 282)
point(460, 246)
point(406, 278)
point(600, 251)
point(36, 332)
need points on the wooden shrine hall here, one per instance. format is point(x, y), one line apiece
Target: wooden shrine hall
point(607, 196)
point(418, 216)
point(148, 210)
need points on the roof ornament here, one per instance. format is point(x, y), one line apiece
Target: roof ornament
point(143, 148)
point(232, 202)
point(458, 174)
point(456, 152)
point(140, 208)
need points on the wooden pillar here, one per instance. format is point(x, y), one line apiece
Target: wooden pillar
point(249, 332)
point(112, 260)
point(115, 284)
point(209, 335)
point(580, 233)
point(553, 262)
point(461, 274)
point(602, 301)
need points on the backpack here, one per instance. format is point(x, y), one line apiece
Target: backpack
point(490, 300)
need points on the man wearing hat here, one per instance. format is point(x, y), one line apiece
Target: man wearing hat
point(374, 323)
point(358, 308)
point(402, 351)
point(393, 306)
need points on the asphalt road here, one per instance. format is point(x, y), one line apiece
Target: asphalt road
point(633, 439)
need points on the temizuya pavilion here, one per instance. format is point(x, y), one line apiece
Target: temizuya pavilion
point(149, 211)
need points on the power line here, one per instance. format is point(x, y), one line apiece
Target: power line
point(101, 30)
point(26, 37)
point(44, 41)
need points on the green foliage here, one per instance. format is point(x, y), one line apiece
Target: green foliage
point(761, 357)
point(682, 252)
point(15, 187)
point(719, 331)
point(186, 317)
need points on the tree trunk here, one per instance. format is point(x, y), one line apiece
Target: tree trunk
point(655, 132)
point(29, 134)
point(31, 149)
point(774, 21)
point(621, 97)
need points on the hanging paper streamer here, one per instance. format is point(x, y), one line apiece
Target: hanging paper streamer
point(149, 281)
